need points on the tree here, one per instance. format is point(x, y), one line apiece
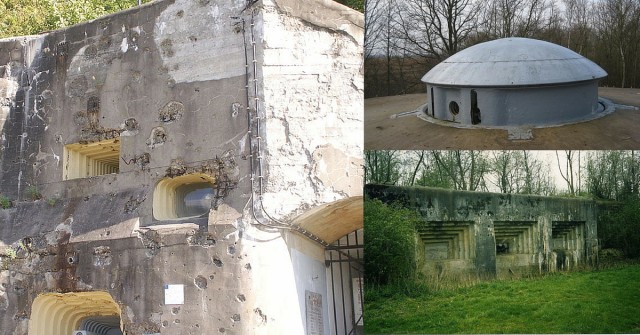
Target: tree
point(577, 26)
point(621, 228)
point(28, 17)
point(418, 165)
point(537, 179)
point(520, 172)
point(509, 18)
point(568, 174)
point(14, 20)
point(435, 28)
point(504, 166)
point(383, 59)
point(382, 167)
point(617, 23)
point(373, 26)
point(462, 170)
point(430, 174)
point(613, 175)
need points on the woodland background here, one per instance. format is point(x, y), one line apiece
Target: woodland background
point(406, 38)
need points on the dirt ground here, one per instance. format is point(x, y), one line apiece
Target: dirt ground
point(618, 130)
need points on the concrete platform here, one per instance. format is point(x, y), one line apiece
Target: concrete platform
point(619, 130)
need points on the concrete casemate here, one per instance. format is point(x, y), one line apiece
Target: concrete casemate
point(184, 167)
point(484, 234)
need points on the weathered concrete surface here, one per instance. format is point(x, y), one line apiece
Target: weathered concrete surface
point(488, 234)
point(618, 130)
point(168, 81)
point(313, 145)
point(325, 63)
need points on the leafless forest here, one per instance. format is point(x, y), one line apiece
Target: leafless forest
point(406, 38)
point(604, 175)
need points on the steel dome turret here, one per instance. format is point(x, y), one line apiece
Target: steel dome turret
point(513, 62)
point(513, 82)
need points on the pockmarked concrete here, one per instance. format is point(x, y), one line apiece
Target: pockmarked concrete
point(180, 168)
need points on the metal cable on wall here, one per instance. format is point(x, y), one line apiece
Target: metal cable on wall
point(255, 140)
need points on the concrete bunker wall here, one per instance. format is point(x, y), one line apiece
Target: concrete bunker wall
point(313, 148)
point(488, 234)
point(320, 137)
point(165, 85)
point(156, 85)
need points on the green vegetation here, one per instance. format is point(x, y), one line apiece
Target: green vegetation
point(28, 17)
point(604, 301)
point(6, 257)
point(620, 228)
point(389, 243)
point(33, 193)
point(355, 4)
point(5, 202)
point(52, 201)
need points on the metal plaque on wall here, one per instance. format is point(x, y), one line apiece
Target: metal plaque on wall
point(314, 313)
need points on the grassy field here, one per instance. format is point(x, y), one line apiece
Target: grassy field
point(606, 301)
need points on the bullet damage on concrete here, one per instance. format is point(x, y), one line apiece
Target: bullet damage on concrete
point(183, 168)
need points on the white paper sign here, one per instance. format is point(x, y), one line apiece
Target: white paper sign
point(174, 294)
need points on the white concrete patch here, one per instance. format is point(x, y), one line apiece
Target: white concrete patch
point(50, 280)
point(32, 46)
point(311, 276)
point(282, 274)
point(4, 284)
point(8, 89)
point(124, 46)
point(519, 134)
point(215, 53)
point(311, 82)
point(174, 294)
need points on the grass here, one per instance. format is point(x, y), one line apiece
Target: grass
point(605, 301)
point(33, 192)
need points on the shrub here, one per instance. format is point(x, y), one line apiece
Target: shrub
point(390, 241)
